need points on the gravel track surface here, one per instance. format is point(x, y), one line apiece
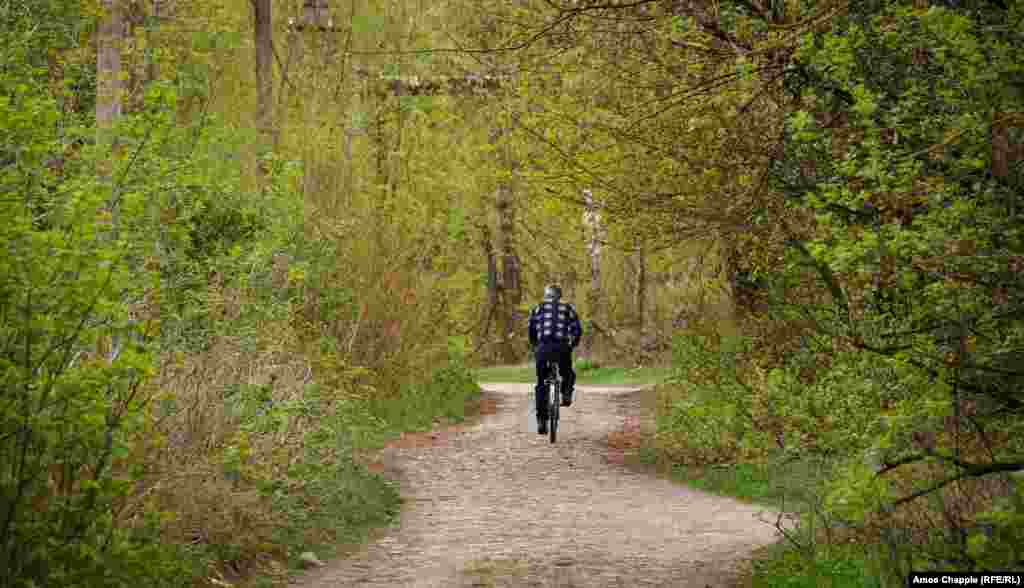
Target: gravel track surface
point(494, 505)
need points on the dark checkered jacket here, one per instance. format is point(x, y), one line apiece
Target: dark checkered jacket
point(555, 322)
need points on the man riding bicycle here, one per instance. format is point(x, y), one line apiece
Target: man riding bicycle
point(554, 332)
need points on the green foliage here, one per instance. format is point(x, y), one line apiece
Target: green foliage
point(102, 272)
point(364, 23)
point(1000, 537)
point(323, 497)
point(350, 501)
point(887, 338)
point(910, 206)
point(76, 349)
point(586, 366)
point(837, 567)
point(719, 419)
point(443, 394)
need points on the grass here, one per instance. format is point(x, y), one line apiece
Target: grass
point(842, 566)
point(779, 484)
point(785, 484)
point(587, 374)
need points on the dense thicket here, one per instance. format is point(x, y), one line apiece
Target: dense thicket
point(200, 332)
point(859, 167)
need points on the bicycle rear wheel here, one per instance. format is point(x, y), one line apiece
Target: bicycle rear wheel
point(554, 402)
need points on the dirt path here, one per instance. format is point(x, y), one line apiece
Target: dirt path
point(494, 505)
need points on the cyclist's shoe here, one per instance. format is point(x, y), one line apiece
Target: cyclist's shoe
point(567, 398)
point(542, 427)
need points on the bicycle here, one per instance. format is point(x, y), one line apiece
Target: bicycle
point(553, 382)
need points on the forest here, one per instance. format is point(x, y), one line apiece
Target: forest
point(246, 242)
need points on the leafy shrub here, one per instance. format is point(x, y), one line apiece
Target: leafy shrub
point(718, 418)
point(999, 542)
point(836, 567)
point(77, 338)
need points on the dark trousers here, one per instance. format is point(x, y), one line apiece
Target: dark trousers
point(562, 354)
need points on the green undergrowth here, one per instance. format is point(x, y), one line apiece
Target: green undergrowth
point(842, 566)
point(350, 500)
point(779, 483)
point(587, 374)
point(445, 396)
point(788, 485)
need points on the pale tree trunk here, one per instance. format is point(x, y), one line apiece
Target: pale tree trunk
point(595, 228)
point(628, 290)
point(316, 14)
point(380, 212)
point(334, 85)
point(725, 305)
point(395, 154)
point(330, 37)
point(640, 292)
point(510, 282)
point(487, 315)
point(109, 106)
point(293, 55)
point(635, 286)
point(304, 49)
point(153, 68)
point(110, 87)
point(350, 175)
point(510, 289)
point(264, 80)
point(318, 31)
point(381, 144)
point(109, 84)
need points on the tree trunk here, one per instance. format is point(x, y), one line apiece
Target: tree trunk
point(152, 66)
point(625, 292)
point(109, 85)
point(109, 92)
point(293, 55)
point(55, 68)
point(727, 274)
point(380, 212)
point(492, 282)
point(150, 73)
point(1005, 152)
point(264, 79)
point(381, 141)
point(316, 15)
point(510, 290)
point(595, 299)
point(395, 154)
point(640, 292)
point(506, 245)
point(109, 106)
